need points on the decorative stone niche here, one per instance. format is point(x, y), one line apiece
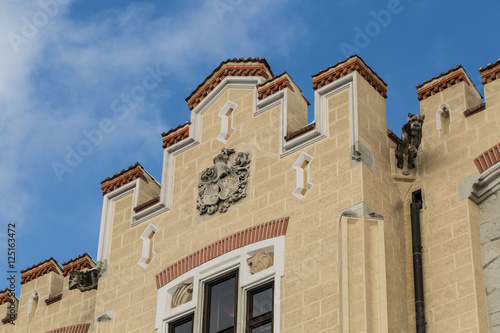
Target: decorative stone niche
point(148, 246)
point(303, 185)
point(227, 129)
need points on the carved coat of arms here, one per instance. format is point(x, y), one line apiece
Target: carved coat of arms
point(224, 183)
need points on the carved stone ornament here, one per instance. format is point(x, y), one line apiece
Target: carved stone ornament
point(411, 136)
point(183, 294)
point(85, 281)
point(260, 261)
point(223, 184)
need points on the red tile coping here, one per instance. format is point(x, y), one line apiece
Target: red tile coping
point(441, 82)
point(147, 204)
point(53, 299)
point(5, 296)
point(40, 269)
point(80, 328)
point(488, 158)
point(301, 131)
point(490, 73)
point(77, 264)
point(474, 110)
point(124, 177)
point(230, 67)
point(343, 68)
point(274, 85)
point(393, 137)
point(248, 236)
point(8, 319)
point(175, 135)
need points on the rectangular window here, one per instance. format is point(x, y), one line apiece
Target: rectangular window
point(183, 325)
point(260, 309)
point(220, 304)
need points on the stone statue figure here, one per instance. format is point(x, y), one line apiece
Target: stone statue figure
point(411, 136)
point(85, 281)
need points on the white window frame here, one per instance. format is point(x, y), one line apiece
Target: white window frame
point(219, 266)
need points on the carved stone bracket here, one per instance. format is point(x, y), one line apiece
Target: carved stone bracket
point(260, 261)
point(223, 184)
point(183, 294)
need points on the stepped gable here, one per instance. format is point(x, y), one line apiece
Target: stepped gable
point(345, 67)
point(124, 177)
point(490, 73)
point(175, 135)
point(230, 67)
point(77, 264)
point(40, 269)
point(488, 158)
point(443, 81)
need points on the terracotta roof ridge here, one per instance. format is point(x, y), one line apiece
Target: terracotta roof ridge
point(489, 66)
point(116, 175)
point(172, 130)
point(78, 257)
point(240, 60)
point(346, 60)
point(274, 77)
point(451, 70)
point(39, 264)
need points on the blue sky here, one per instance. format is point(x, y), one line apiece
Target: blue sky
point(65, 66)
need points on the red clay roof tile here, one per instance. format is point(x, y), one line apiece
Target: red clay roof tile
point(345, 67)
point(175, 135)
point(80, 328)
point(490, 73)
point(488, 158)
point(134, 172)
point(40, 269)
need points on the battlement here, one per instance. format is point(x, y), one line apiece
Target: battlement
point(490, 73)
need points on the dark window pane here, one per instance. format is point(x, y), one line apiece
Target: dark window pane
point(184, 328)
point(266, 328)
point(262, 302)
point(222, 305)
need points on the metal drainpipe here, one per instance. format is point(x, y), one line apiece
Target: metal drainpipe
point(418, 280)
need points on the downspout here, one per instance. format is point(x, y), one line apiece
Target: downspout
point(418, 280)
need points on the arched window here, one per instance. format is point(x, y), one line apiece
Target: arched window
point(443, 119)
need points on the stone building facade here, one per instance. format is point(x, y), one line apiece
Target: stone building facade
point(264, 223)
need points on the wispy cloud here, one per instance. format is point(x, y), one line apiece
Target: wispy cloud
point(65, 78)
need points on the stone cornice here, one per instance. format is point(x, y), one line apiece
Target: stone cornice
point(486, 185)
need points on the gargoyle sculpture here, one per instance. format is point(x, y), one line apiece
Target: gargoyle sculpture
point(85, 281)
point(411, 136)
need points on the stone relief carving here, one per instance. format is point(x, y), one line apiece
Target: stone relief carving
point(411, 136)
point(85, 281)
point(260, 261)
point(183, 294)
point(223, 184)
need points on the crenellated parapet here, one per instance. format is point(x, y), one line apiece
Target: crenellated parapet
point(346, 67)
point(490, 73)
point(79, 263)
point(441, 82)
point(34, 272)
point(230, 68)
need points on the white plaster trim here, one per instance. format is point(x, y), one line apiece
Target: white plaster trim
point(439, 111)
point(146, 244)
point(487, 184)
point(107, 217)
point(34, 294)
point(300, 186)
point(223, 264)
point(225, 122)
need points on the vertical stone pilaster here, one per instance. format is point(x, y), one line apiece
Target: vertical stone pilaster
point(363, 275)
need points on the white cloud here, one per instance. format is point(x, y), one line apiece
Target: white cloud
point(64, 79)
